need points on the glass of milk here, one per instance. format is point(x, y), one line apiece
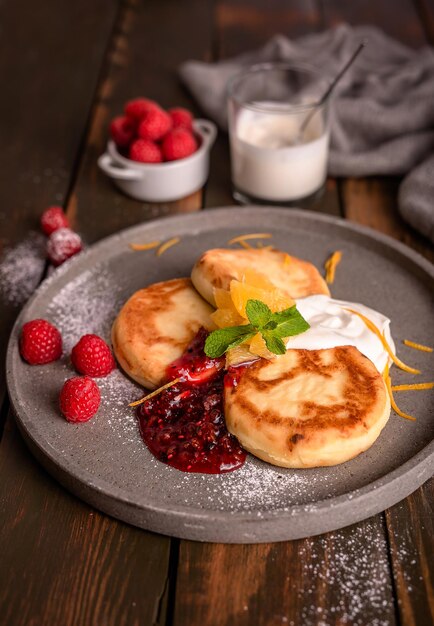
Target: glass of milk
point(273, 160)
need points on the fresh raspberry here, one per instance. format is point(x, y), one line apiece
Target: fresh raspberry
point(92, 356)
point(154, 125)
point(181, 118)
point(137, 108)
point(79, 399)
point(122, 131)
point(178, 144)
point(52, 219)
point(40, 342)
point(62, 245)
point(145, 151)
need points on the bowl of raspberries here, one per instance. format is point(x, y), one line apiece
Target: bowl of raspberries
point(157, 155)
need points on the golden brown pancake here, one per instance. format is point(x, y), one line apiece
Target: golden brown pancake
point(155, 326)
point(308, 408)
point(294, 277)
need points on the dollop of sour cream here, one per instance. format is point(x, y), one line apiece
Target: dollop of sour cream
point(331, 325)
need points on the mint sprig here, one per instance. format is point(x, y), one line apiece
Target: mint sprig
point(273, 327)
point(223, 339)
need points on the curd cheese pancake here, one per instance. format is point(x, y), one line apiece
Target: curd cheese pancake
point(308, 408)
point(294, 277)
point(155, 326)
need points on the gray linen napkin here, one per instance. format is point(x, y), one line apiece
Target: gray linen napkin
point(383, 118)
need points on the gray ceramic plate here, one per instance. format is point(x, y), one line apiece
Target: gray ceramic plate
point(105, 462)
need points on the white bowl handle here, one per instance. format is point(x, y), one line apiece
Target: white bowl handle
point(207, 130)
point(106, 164)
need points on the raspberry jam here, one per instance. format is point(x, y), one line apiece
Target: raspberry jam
point(184, 426)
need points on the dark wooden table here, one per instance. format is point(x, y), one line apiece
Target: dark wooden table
point(67, 68)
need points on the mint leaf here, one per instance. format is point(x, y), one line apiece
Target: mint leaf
point(222, 339)
point(281, 316)
point(273, 343)
point(288, 323)
point(258, 313)
point(241, 339)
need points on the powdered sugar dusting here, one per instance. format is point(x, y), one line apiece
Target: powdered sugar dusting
point(408, 558)
point(353, 562)
point(118, 391)
point(256, 487)
point(63, 244)
point(87, 304)
point(21, 269)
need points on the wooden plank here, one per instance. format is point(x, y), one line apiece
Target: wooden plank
point(98, 571)
point(64, 563)
point(244, 25)
point(149, 45)
point(400, 21)
point(44, 110)
point(425, 9)
point(373, 202)
point(411, 531)
point(338, 578)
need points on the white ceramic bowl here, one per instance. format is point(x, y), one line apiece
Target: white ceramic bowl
point(161, 182)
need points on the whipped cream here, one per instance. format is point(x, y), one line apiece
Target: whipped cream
point(332, 325)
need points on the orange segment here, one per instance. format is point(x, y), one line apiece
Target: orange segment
point(223, 299)
point(227, 317)
point(242, 292)
point(258, 347)
point(240, 354)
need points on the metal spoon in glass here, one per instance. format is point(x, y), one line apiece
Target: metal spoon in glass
point(329, 91)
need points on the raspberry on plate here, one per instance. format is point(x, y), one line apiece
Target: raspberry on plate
point(145, 151)
point(137, 108)
point(154, 125)
point(178, 144)
point(122, 131)
point(79, 399)
point(52, 219)
point(62, 245)
point(40, 342)
point(181, 118)
point(92, 356)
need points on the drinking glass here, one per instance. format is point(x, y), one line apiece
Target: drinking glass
point(273, 159)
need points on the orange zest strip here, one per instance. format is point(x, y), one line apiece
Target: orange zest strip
point(330, 266)
point(375, 330)
point(417, 346)
point(245, 245)
point(413, 387)
point(250, 236)
point(393, 403)
point(168, 244)
point(156, 392)
point(144, 246)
